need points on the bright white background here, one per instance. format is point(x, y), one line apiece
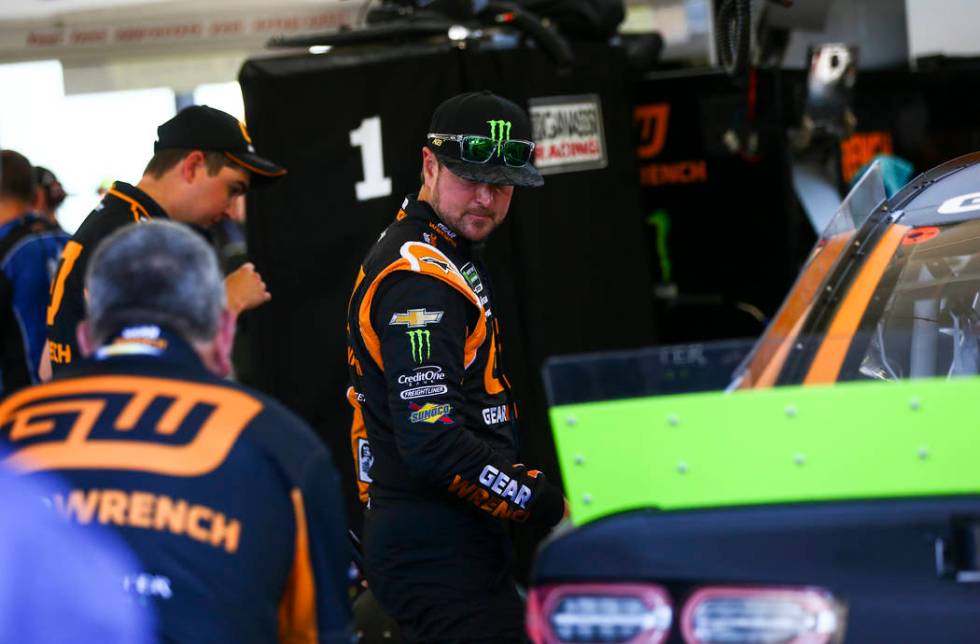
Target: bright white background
point(86, 139)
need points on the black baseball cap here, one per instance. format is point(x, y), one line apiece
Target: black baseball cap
point(477, 113)
point(200, 127)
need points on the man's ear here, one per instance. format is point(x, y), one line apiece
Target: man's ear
point(430, 166)
point(190, 165)
point(83, 333)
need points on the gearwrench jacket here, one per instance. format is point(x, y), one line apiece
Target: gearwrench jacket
point(433, 415)
point(228, 500)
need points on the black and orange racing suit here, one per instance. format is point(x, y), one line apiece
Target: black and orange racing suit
point(229, 501)
point(122, 205)
point(435, 436)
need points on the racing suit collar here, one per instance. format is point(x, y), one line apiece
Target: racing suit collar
point(416, 209)
point(149, 340)
point(152, 208)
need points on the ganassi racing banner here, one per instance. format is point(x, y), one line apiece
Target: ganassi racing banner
point(568, 133)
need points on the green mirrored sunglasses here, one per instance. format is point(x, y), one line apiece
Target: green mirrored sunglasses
point(474, 148)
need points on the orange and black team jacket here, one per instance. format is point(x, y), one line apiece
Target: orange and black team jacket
point(123, 204)
point(434, 421)
point(228, 500)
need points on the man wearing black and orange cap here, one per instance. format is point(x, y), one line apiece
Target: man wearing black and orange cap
point(435, 427)
point(202, 166)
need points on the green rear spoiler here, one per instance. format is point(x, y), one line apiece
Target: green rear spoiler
point(858, 440)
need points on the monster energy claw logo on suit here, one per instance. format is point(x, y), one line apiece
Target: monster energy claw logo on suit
point(499, 132)
point(421, 347)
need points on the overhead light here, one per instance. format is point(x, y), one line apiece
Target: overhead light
point(458, 32)
point(319, 49)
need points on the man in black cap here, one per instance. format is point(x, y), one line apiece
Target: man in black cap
point(202, 166)
point(434, 431)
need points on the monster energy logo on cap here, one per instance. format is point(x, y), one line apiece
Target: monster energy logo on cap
point(499, 132)
point(421, 347)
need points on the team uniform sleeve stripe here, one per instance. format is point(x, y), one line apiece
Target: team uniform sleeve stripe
point(358, 433)
point(69, 256)
point(297, 608)
point(368, 334)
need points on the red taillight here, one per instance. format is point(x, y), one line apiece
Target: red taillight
point(619, 613)
point(786, 615)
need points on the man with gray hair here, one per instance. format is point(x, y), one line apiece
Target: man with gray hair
point(134, 283)
point(228, 500)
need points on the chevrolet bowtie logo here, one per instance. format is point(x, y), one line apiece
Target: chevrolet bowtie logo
point(415, 318)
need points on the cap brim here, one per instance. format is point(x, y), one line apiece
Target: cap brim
point(526, 176)
point(256, 164)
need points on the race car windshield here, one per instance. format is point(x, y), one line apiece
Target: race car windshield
point(923, 318)
point(766, 359)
